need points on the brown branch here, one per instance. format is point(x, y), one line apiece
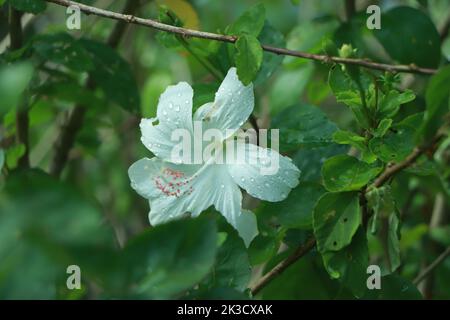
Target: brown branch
point(72, 126)
point(432, 266)
point(409, 160)
point(22, 120)
point(231, 39)
point(383, 178)
point(279, 268)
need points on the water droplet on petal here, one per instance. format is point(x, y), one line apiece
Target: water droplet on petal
point(222, 186)
point(177, 108)
point(170, 105)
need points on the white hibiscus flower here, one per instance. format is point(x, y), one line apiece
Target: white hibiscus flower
point(174, 189)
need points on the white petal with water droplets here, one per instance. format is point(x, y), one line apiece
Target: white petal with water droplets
point(174, 112)
point(256, 177)
point(232, 105)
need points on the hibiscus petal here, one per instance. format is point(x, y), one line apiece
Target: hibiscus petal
point(232, 106)
point(174, 190)
point(174, 112)
point(264, 173)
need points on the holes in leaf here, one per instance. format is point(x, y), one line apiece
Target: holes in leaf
point(334, 243)
point(345, 220)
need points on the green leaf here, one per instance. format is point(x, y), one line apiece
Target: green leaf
point(170, 258)
point(49, 226)
point(63, 49)
point(296, 210)
point(288, 87)
point(390, 103)
point(269, 36)
point(113, 75)
point(32, 6)
point(410, 37)
point(248, 58)
point(336, 218)
point(303, 126)
point(310, 160)
point(357, 141)
point(346, 173)
point(305, 279)
point(348, 91)
point(251, 22)
point(394, 241)
point(349, 265)
point(438, 102)
point(2, 159)
point(394, 146)
point(232, 267)
point(382, 128)
point(14, 80)
point(394, 287)
point(13, 155)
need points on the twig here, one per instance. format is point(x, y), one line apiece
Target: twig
point(432, 266)
point(231, 39)
point(279, 268)
point(350, 9)
point(22, 120)
point(75, 120)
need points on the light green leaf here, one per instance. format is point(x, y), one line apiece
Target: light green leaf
point(14, 80)
point(390, 103)
point(357, 141)
point(248, 58)
point(13, 155)
point(382, 128)
point(346, 173)
point(336, 218)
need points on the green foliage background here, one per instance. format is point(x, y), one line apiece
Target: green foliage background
point(342, 126)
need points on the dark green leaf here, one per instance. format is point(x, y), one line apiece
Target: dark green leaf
point(189, 249)
point(410, 37)
point(296, 210)
point(113, 75)
point(303, 126)
point(438, 101)
point(32, 6)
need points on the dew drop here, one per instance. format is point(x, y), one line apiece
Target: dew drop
point(170, 105)
point(177, 109)
point(222, 186)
